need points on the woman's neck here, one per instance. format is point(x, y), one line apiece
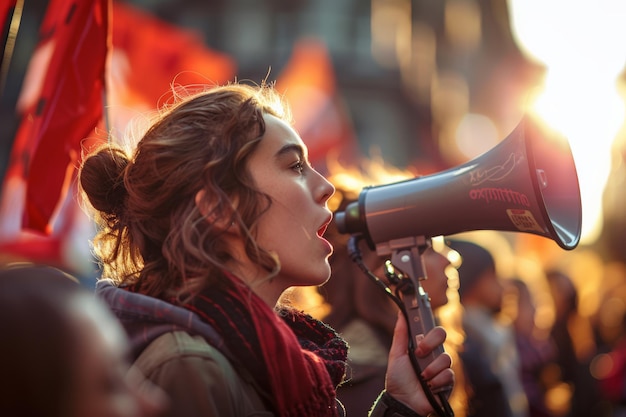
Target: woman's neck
point(269, 289)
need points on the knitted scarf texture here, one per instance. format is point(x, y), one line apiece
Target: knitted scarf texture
point(299, 358)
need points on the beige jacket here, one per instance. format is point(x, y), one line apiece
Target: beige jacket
point(199, 380)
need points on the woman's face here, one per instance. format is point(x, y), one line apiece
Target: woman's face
point(103, 387)
point(293, 226)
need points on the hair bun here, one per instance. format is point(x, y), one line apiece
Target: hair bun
point(102, 179)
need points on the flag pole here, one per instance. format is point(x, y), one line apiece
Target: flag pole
point(9, 44)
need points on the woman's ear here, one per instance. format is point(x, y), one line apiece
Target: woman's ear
point(219, 220)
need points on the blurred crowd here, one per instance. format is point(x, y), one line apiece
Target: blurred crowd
point(523, 344)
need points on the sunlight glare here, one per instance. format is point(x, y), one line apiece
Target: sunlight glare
point(582, 48)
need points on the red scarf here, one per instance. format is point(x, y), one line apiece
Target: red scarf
point(301, 359)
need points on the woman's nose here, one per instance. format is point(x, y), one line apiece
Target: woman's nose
point(326, 188)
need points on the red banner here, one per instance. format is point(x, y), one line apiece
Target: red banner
point(63, 106)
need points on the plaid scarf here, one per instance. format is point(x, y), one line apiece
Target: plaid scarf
point(299, 358)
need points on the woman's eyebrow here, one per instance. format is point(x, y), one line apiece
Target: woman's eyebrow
point(292, 147)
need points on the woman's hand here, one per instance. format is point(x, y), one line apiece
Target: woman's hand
point(402, 383)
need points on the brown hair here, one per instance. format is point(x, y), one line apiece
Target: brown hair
point(151, 231)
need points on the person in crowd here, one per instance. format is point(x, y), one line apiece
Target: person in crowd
point(204, 226)
point(612, 375)
point(63, 352)
point(489, 354)
point(536, 351)
point(574, 357)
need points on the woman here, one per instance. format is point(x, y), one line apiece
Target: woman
point(214, 215)
point(64, 354)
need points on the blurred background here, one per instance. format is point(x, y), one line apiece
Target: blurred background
point(394, 87)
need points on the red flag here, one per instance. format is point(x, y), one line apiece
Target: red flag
point(150, 54)
point(308, 83)
point(66, 109)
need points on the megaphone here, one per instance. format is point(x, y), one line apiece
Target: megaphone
point(527, 183)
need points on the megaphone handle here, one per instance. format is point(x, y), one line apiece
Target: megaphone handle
point(421, 320)
point(416, 301)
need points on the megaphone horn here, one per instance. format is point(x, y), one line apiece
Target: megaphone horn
point(527, 183)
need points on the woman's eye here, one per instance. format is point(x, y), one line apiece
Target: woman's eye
point(298, 166)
